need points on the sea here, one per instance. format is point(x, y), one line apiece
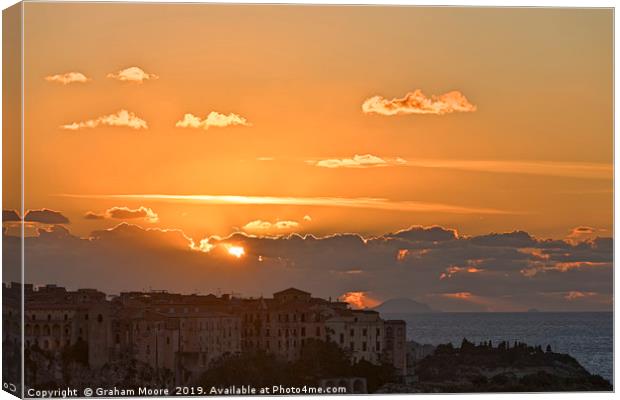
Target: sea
point(587, 336)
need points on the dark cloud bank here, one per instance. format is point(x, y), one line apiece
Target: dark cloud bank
point(498, 271)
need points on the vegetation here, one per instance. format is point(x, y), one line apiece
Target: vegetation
point(318, 360)
point(484, 368)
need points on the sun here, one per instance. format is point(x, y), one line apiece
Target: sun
point(236, 251)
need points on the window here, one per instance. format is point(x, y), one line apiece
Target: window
point(352, 332)
point(66, 317)
point(364, 346)
point(378, 346)
point(100, 318)
point(364, 332)
point(86, 317)
point(49, 317)
point(341, 338)
point(352, 346)
point(318, 331)
point(378, 332)
point(303, 331)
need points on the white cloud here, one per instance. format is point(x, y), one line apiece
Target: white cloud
point(121, 118)
point(132, 74)
point(69, 77)
point(214, 119)
point(262, 226)
point(358, 161)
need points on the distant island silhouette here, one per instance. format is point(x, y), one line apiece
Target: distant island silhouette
point(402, 306)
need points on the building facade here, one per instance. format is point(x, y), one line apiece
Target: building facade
point(186, 333)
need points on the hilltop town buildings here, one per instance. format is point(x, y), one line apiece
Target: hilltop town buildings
point(185, 333)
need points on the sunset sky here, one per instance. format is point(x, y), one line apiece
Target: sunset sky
point(273, 120)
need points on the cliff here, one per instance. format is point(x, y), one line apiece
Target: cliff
point(505, 368)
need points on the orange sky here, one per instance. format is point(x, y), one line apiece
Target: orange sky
point(535, 154)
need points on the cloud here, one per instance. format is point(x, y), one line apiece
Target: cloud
point(266, 226)
point(94, 215)
point(307, 218)
point(132, 74)
point(574, 295)
point(359, 300)
point(581, 233)
point(10, 216)
point(120, 118)
point(519, 239)
point(69, 77)
point(481, 272)
point(358, 161)
point(543, 168)
point(455, 269)
point(458, 295)
point(214, 119)
point(125, 213)
point(417, 102)
point(46, 216)
point(425, 234)
point(356, 202)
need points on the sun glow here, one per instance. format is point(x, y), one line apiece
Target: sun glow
point(236, 251)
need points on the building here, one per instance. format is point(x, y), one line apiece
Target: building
point(396, 345)
point(56, 319)
point(282, 324)
point(360, 332)
point(186, 333)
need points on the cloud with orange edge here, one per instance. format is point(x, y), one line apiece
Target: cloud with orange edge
point(458, 295)
point(581, 233)
point(125, 213)
point(454, 269)
point(359, 300)
point(417, 102)
point(574, 295)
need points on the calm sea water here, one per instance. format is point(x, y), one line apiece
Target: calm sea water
point(587, 336)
